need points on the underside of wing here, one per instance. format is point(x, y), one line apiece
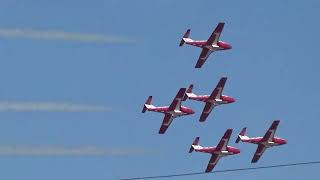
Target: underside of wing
point(206, 111)
point(215, 36)
point(165, 123)
point(222, 146)
point(260, 150)
point(203, 57)
point(217, 92)
point(271, 132)
point(176, 103)
point(213, 162)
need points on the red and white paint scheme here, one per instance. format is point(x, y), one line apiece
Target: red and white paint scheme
point(215, 99)
point(216, 152)
point(171, 112)
point(209, 46)
point(268, 140)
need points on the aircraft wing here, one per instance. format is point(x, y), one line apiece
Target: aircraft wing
point(167, 120)
point(271, 131)
point(224, 141)
point(214, 38)
point(217, 92)
point(203, 57)
point(212, 163)
point(221, 147)
point(260, 150)
point(206, 111)
point(176, 103)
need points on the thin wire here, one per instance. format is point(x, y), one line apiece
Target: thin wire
point(224, 171)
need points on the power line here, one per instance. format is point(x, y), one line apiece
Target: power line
point(224, 171)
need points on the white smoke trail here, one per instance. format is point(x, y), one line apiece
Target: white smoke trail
point(48, 107)
point(9, 150)
point(61, 35)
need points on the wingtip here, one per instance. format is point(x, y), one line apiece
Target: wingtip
point(229, 131)
point(182, 92)
point(219, 27)
point(223, 80)
point(275, 123)
point(202, 120)
point(182, 89)
point(203, 117)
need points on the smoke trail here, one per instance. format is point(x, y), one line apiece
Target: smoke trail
point(9, 150)
point(48, 107)
point(61, 35)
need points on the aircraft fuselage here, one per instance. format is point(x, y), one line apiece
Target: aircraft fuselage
point(258, 140)
point(165, 109)
point(203, 44)
point(212, 150)
point(206, 98)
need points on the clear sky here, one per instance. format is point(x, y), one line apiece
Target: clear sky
point(100, 60)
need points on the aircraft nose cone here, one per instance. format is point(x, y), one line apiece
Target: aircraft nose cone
point(284, 142)
point(192, 111)
point(232, 100)
point(229, 47)
point(237, 151)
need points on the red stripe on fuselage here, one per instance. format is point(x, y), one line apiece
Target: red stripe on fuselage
point(222, 45)
point(258, 140)
point(165, 109)
point(211, 150)
point(200, 44)
point(204, 98)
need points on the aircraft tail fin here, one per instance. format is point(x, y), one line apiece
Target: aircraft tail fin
point(186, 35)
point(190, 88)
point(195, 143)
point(242, 135)
point(148, 102)
point(188, 92)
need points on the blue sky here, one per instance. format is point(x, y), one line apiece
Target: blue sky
point(272, 72)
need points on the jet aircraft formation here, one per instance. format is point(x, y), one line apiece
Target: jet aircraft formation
point(216, 98)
